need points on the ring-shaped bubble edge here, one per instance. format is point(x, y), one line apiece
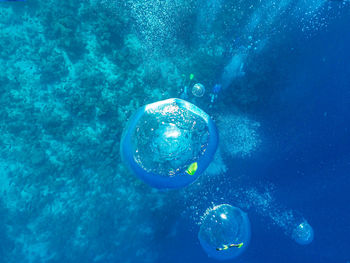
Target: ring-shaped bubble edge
point(223, 255)
point(181, 179)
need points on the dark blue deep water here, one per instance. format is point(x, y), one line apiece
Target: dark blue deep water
point(71, 75)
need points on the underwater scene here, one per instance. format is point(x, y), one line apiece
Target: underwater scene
point(175, 131)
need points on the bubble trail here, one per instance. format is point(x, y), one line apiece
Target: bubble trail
point(292, 223)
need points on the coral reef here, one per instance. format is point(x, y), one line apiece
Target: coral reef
point(67, 89)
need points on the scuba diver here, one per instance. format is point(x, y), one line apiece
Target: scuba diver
point(224, 247)
point(192, 168)
point(184, 93)
point(214, 94)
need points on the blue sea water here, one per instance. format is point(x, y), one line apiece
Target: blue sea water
point(71, 75)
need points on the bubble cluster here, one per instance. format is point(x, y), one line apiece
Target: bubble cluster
point(238, 135)
point(263, 203)
point(224, 232)
point(169, 143)
point(157, 22)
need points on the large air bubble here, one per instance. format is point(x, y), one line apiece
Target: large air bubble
point(303, 233)
point(198, 90)
point(224, 232)
point(169, 143)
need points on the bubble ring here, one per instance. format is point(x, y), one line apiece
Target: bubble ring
point(182, 178)
point(224, 232)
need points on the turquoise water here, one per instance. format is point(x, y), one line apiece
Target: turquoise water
point(72, 73)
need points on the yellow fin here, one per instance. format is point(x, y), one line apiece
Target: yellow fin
point(192, 168)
